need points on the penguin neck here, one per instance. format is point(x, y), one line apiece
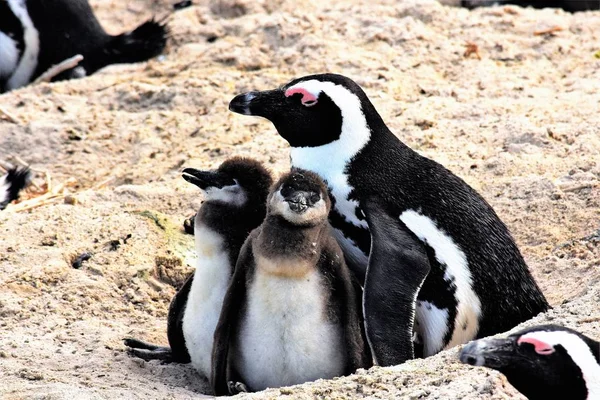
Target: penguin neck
point(279, 239)
point(230, 222)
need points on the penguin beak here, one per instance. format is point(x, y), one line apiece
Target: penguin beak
point(206, 179)
point(491, 353)
point(301, 201)
point(262, 104)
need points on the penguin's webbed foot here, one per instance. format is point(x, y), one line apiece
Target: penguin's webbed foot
point(236, 388)
point(147, 351)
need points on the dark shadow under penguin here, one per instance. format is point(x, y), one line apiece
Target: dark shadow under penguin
point(567, 5)
point(15, 180)
point(235, 204)
point(37, 34)
point(434, 258)
point(542, 362)
point(292, 313)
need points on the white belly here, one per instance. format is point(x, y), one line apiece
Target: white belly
point(9, 55)
point(211, 278)
point(285, 337)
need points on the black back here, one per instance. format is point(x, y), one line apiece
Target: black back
point(66, 28)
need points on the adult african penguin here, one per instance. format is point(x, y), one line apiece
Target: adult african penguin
point(235, 204)
point(292, 313)
point(434, 257)
point(542, 362)
point(567, 5)
point(11, 184)
point(37, 34)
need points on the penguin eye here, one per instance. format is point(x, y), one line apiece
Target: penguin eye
point(315, 197)
point(540, 347)
point(308, 99)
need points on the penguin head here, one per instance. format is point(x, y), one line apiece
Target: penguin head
point(238, 181)
point(546, 361)
point(301, 198)
point(314, 110)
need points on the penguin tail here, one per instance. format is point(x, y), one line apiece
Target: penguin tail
point(144, 42)
point(11, 184)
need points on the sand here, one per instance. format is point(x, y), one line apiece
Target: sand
point(517, 118)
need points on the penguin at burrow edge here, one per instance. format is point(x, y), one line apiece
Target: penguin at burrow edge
point(453, 272)
point(37, 34)
point(542, 362)
point(235, 204)
point(292, 313)
point(567, 5)
point(15, 180)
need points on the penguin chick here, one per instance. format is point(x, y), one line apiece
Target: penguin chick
point(235, 204)
point(37, 34)
point(11, 184)
point(426, 245)
point(543, 362)
point(292, 312)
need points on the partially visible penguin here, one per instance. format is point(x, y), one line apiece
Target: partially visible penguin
point(235, 204)
point(542, 362)
point(37, 34)
point(425, 244)
point(292, 313)
point(567, 5)
point(11, 184)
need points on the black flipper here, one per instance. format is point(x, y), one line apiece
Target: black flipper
point(228, 321)
point(398, 265)
point(175, 323)
point(178, 351)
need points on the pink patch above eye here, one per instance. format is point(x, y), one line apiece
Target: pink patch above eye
point(308, 99)
point(540, 347)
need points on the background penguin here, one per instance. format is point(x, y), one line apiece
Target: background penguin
point(292, 312)
point(11, 184)
point(567, 5)
point(235, 204)
point(409, 228)
point(543, 362)
point(37, 34)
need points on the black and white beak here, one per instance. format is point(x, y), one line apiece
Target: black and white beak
point(491, 353)
point(262, 104)
point(207, 179)
point(301, 201)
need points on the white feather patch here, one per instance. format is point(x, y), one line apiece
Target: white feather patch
point(432, 327)
point(29, 59)
point(579, 352)
point(232, 194)
point(9, 55)
point(205, 300)
point(330, 160)
point(448, 253)
point(285, 337)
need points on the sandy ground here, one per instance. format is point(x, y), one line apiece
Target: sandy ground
point(518, 120)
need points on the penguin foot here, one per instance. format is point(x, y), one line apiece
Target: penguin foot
point(140, 344)
point(147, 351)
point(188, 225)
point(236, 387)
